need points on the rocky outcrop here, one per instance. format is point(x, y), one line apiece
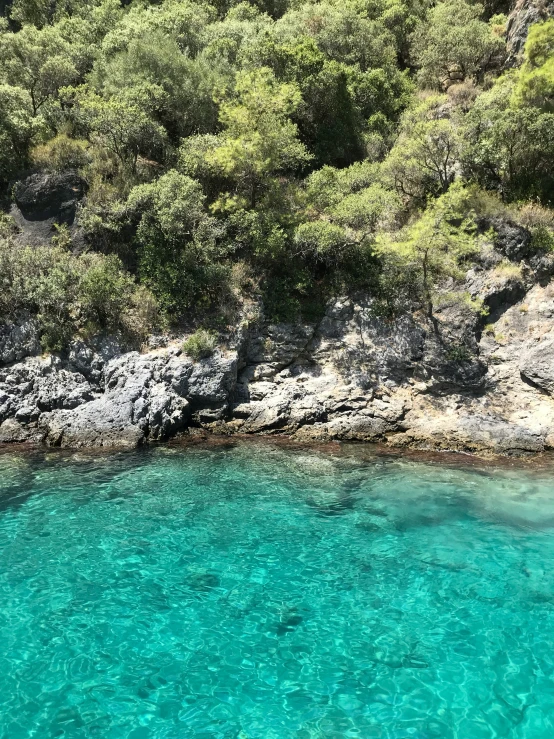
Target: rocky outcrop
point(121, 402)
point(537, 364)
point(18, 340)
point(449, 382)
point(43, 200)
point(523, 16)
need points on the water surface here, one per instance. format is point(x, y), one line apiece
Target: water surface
point(253, 592)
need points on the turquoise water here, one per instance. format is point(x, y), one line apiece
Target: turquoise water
point(247, 592)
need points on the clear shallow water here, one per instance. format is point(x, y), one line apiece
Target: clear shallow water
point(253, 592)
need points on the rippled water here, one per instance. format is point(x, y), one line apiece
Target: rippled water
point(252, 592)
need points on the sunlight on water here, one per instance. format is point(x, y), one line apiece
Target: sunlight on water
point(249, 592)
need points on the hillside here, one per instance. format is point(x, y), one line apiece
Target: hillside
point(232, 172)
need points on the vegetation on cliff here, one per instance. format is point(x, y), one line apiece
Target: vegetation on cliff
point(288, 149)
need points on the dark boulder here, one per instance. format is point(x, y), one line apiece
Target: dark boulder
point(511, 240)
point(43, 200)
point(41, 197)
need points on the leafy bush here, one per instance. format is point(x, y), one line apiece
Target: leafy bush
point(200, 345)
point(72, 294)
point(435, 247)
point(535, 83)
point(17, 128)
point(177, 243)
point(458, 353)
point(60, 153)
point(542, 238)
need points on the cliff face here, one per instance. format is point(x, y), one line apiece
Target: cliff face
point(448, 383)
point(522, 17)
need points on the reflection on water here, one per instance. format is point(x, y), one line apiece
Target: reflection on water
point(249, 592)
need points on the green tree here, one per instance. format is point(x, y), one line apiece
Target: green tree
point(184, 21)
point(344, 209)
point(402, 18)
point(177, 243)
point(455, 44)
point(42, 12)
point(226, 39)
point(509, 149)
point(38, 61)
point(535, 80)
point(340, 103)
point(346, 31)
point(259, 139)
point(122, 128)
point(433, 249)
point(70, 294)
point(17, 128)
point(347, 227)
point(153, 72)
point(423, 160)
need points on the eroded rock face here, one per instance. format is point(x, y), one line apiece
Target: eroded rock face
point(537, 364)
point(92, 400)
point(18, 340)
point(145, 397)
point(523, 16)
point(449, 382)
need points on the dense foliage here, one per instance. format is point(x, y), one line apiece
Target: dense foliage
point(282, 148)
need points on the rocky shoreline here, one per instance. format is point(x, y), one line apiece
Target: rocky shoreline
point(460, 382)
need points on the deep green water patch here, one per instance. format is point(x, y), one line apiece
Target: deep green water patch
point(255, 592)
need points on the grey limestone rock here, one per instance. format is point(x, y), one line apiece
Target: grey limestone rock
point(443, 382)
point(523, 16)
point(537, 364)
point(18, 340)
point(104, 422)
point(38, 384)
point(90, 360)
point(145, 397)
point(495, 289)
point(14, 432)
point(476, 433)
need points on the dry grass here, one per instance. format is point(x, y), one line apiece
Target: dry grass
point(506, 270)
point(533, 215)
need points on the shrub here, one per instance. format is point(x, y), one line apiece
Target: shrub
point(542, 238)
point(60, 153)
point(72, 294)
point(201, 344)
point(458, 353)
point(534, 215)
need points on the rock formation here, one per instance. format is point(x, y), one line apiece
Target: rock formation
point(42, 200)
point(460, 381)
point(524, 14)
